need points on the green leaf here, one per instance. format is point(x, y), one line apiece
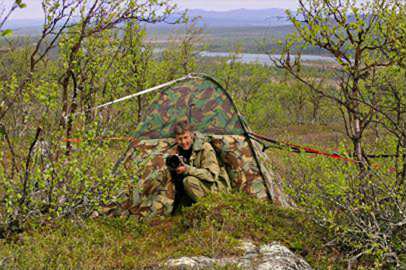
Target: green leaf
point(7, 32)
point(20, 4)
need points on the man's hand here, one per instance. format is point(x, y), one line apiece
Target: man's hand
point(181, 169)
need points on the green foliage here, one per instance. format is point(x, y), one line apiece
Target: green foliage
point(362, 41)
point(56, 186)
point(363, 209)
point(269, 98)
point(20, 4)
point(6, 33)
point(212, 227)
point(49, 194)
point(359, 214)
point(179, 57)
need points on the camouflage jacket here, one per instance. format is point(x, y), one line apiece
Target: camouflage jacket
point(155, 192)
point(204, 164)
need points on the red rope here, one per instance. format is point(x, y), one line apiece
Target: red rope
point(300, 148)
point(297, 148)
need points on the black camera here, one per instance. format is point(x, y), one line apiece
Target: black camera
point(173, 162)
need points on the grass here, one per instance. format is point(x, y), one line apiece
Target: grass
point(212, 227)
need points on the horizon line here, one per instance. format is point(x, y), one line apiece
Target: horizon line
point(187, 9)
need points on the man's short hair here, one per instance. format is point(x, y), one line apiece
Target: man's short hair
point(182, 127)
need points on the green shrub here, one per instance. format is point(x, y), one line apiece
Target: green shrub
point(54, 185)
point(364, 215)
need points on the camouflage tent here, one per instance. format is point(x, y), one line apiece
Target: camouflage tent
point(211, 111)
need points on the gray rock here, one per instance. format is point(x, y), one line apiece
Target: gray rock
point(249, 257)
point(267, 257)
point(204, 262)
point(227, 261)
point(275, 250)
point(282, 264)
point(248, 247)
point(245, 264)
point(182, 263)
point(278, 257)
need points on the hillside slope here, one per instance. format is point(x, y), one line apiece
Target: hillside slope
point(212, 227)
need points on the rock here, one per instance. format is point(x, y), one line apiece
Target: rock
point(94, 214)
point(182, 263)
point(274, 250)
point(227, 261)
point(204, 262)
point(245, 263)
point(278, 257)
point(283, 264)
point(273, 256)
point(248, 247)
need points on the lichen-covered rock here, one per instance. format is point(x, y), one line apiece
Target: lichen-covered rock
point(248, 247)
point(278, 257)
point(267, 257)
point(182, 263)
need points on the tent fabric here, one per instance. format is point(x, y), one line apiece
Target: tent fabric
point(211, 111)
point(154, 193)
point(200, 100)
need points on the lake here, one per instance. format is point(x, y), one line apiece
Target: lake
point(264, 58)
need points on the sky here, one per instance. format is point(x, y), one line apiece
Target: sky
point(33, 9)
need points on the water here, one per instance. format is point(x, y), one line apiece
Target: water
point(264, 58)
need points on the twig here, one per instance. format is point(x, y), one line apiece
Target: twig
point(14, 6)
point(27, 166)
point(11, 148)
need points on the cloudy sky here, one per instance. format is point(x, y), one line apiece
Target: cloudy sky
point(33, 9)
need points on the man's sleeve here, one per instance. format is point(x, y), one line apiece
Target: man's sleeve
point(210, 168)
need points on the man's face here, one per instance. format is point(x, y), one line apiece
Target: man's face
point(185, 140)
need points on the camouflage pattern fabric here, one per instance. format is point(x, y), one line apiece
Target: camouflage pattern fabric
point(203, 167)
point(203, 161)
point(273, 181)
point(152, 192)
point(207, 106)
point(235, 152)
point(204, 156)
point(196, 188)
point(200, 101)
point(155, 192)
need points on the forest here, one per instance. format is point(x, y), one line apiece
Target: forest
point(349, 213)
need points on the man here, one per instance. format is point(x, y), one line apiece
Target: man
point(198, 173)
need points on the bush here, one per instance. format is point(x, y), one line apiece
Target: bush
point(365, 216)
point(53, 185)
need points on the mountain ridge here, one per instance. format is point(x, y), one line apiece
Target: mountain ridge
point(232, 18)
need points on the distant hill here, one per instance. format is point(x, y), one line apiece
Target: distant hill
point(231, 18)
point(25, 27)
point(22, 23)
point(241, 17)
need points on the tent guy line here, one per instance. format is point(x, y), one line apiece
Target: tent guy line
point(295, 147)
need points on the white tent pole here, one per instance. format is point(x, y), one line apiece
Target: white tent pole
point(143, 92)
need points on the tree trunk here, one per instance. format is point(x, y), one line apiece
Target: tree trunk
point(315, 112)
point(65, 84)
point(403, 173)
point(139, 115)
point(356, 139)
point(70, 114)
